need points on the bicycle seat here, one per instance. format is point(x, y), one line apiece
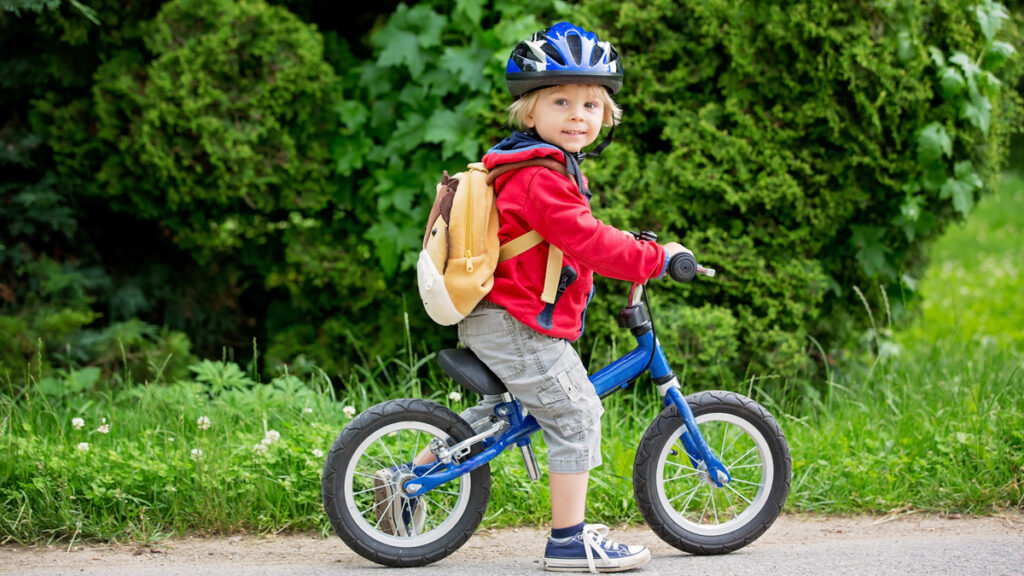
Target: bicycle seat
point(465, 368)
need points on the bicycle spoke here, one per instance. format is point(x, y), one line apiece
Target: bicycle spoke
point(729, 500)
point(737, 492)
point(678, 465)
point(758, 484)
point(714, 507)
point(745, 466)
point(744, 455)
point(437, 491)
point(681, 476)
point(692, 492)
point(448, 511)
point(703, 512)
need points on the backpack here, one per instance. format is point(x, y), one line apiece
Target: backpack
point(461, 249)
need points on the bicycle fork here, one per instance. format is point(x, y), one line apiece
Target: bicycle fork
point(693, 441)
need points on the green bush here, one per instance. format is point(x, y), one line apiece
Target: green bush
point(804, 149)
point(271, 177)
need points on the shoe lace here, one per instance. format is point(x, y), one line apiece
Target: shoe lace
point(595, 538)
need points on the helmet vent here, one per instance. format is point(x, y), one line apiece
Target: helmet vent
point(596, 55)
point(576, 46)
point(552, 53)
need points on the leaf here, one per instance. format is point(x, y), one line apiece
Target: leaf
point(965, 171)
point(961, 186)
point(872, 253)
point(937, 56)
point(997, 54)
point(430, 25)
point(905, 46)
point(466, 65)
point(441, 127)
point(970, 69)
point(911, 207)
point(978, 111)
point(402, 47)
point(933, 142)
point(353, 114)
point(990, 16)
point(952, 82)
point(472, 9)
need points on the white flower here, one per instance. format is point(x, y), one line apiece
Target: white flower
point(83, 446)
point(171, 439)
point(104, 429)
point(203, 423)
point(197, 454)
point(259, 448)
point(307, 410)
point(454, 396)
point(318, 453)
point(77, 423)
point(103, 420)
point(271, 437)
point(349, 411)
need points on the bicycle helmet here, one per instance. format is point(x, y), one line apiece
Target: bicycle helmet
point(563, 54)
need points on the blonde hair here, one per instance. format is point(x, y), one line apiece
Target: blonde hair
point(520, 110)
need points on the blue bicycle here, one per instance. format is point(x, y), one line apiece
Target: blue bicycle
point(407, 482)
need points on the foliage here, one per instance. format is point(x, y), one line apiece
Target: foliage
point(269, 176)
point(804, 150)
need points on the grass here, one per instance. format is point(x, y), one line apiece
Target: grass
point(933, 423)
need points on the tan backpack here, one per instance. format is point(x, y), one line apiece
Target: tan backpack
point(461, 249)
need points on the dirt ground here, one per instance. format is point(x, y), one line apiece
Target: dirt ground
point(993, 544)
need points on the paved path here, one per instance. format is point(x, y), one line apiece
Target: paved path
point(796, 545)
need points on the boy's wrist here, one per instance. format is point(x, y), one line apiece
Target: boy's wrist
point(664, 267)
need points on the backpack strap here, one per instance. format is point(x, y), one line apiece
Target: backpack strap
point(517, 246)
point(555, 165)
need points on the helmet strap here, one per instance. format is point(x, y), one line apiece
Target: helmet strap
point(600, 147)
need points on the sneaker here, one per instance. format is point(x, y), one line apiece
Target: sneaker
point(396, 514)
point(591, 551)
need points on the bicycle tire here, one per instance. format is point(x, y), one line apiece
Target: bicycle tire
point(391, 433)
point(676, 499)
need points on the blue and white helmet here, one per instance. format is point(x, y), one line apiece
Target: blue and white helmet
point(563, 54)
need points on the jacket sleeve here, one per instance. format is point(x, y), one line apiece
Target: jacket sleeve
point(555, 208)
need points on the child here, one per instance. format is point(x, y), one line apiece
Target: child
point(563, 79)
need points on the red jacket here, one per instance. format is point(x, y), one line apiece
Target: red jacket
point(537, 198)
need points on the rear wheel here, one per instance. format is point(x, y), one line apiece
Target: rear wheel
point(678, 498)
point(363, 473)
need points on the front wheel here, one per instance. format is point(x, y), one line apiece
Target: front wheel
point(363, 474)
point(677, 496)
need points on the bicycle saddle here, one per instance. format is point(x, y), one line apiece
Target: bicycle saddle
point(465, 368)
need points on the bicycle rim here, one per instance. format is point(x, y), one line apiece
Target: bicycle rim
point(393, 445)
point(685, 491)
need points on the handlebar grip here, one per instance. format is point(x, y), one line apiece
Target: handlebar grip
point(682, 267)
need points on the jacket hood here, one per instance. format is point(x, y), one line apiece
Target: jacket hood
point(527, 145)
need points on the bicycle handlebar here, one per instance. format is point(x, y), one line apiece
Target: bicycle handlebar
point(683, 267)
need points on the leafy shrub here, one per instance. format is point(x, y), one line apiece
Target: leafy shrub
point(804, 149)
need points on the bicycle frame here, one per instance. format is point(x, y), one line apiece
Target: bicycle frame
point(647, 356)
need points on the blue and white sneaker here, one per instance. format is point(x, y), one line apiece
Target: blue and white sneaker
point(396, 514)
point(591, 551)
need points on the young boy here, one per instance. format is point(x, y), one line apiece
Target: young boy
point(563, 79)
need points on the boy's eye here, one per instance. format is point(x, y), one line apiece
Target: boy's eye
point(560, 102)
point(592, 105)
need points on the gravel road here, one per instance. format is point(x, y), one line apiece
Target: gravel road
point(907, 544)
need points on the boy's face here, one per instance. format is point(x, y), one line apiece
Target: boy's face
point(568, 116)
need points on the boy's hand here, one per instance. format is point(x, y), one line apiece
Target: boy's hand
point(673, 248)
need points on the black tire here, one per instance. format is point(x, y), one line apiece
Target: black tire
point(680, 503)
point(390, 433)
